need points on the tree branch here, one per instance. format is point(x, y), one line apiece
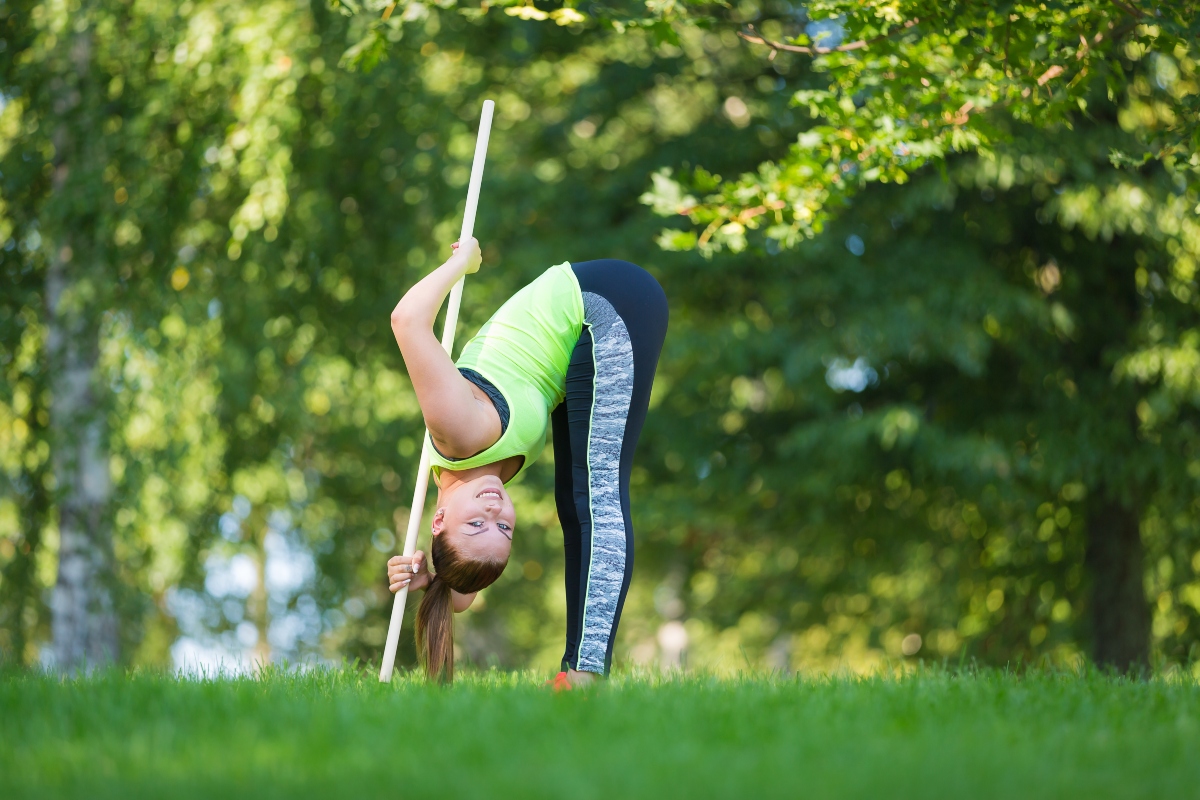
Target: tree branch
point(754, 37)
point(1128, 9)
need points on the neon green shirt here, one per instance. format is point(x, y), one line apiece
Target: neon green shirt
point(524, 350)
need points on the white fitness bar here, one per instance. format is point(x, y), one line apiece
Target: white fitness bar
point(422, 485)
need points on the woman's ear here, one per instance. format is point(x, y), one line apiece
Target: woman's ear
point(439, 521)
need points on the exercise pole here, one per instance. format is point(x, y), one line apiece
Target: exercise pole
point(422, 484)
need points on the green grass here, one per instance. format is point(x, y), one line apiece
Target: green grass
point(341, 734)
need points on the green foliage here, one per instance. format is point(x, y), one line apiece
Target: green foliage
point(895, 86)
point(972, 350)
point(911, 83)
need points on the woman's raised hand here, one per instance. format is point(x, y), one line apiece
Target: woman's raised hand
point(408, 571)
point(468, 252)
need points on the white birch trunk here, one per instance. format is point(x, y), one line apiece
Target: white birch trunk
point(84, 621)
point(83, 614)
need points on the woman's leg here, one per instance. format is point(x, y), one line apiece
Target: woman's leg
point(608, 393)
point(568, 518)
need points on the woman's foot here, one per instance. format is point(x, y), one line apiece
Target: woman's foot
point(579, 680)
point(571, 679)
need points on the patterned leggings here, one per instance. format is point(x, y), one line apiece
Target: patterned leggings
point(596, 430)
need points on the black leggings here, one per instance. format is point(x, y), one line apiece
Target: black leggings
point(596, 430)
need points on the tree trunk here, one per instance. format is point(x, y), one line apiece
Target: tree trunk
point(84, 618)
point(1120, 612)
point(259, 610)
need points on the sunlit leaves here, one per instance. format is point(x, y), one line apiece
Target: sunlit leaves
point(911, 82)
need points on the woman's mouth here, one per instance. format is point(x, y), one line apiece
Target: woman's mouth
point(489, 493)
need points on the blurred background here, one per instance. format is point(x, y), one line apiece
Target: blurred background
point(946, 416)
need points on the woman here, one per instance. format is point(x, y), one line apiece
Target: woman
point(576, 348)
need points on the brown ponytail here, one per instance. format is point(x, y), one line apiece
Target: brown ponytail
point(435, 616)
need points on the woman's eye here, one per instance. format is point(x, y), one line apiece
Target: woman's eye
point(503, 527)
point(476, 524)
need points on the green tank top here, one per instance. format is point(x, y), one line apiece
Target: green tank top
point(524, 350)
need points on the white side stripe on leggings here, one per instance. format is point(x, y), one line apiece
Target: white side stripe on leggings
point(612, 357)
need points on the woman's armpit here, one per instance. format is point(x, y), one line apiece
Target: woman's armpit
point(462, 425)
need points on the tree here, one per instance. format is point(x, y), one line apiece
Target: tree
point(108, 155)
point(912, 85)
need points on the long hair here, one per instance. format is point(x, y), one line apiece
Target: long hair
point(435, 616)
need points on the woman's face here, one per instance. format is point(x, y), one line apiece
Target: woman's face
point(479, 517)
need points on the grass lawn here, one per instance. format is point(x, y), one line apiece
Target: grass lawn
point(341, 734)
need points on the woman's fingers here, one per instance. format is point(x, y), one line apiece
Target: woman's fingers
point(402, 569)
point(399, 575)
point(417, 558)
point(468, 251)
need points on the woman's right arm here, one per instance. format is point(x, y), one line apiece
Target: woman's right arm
point(456, 421)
